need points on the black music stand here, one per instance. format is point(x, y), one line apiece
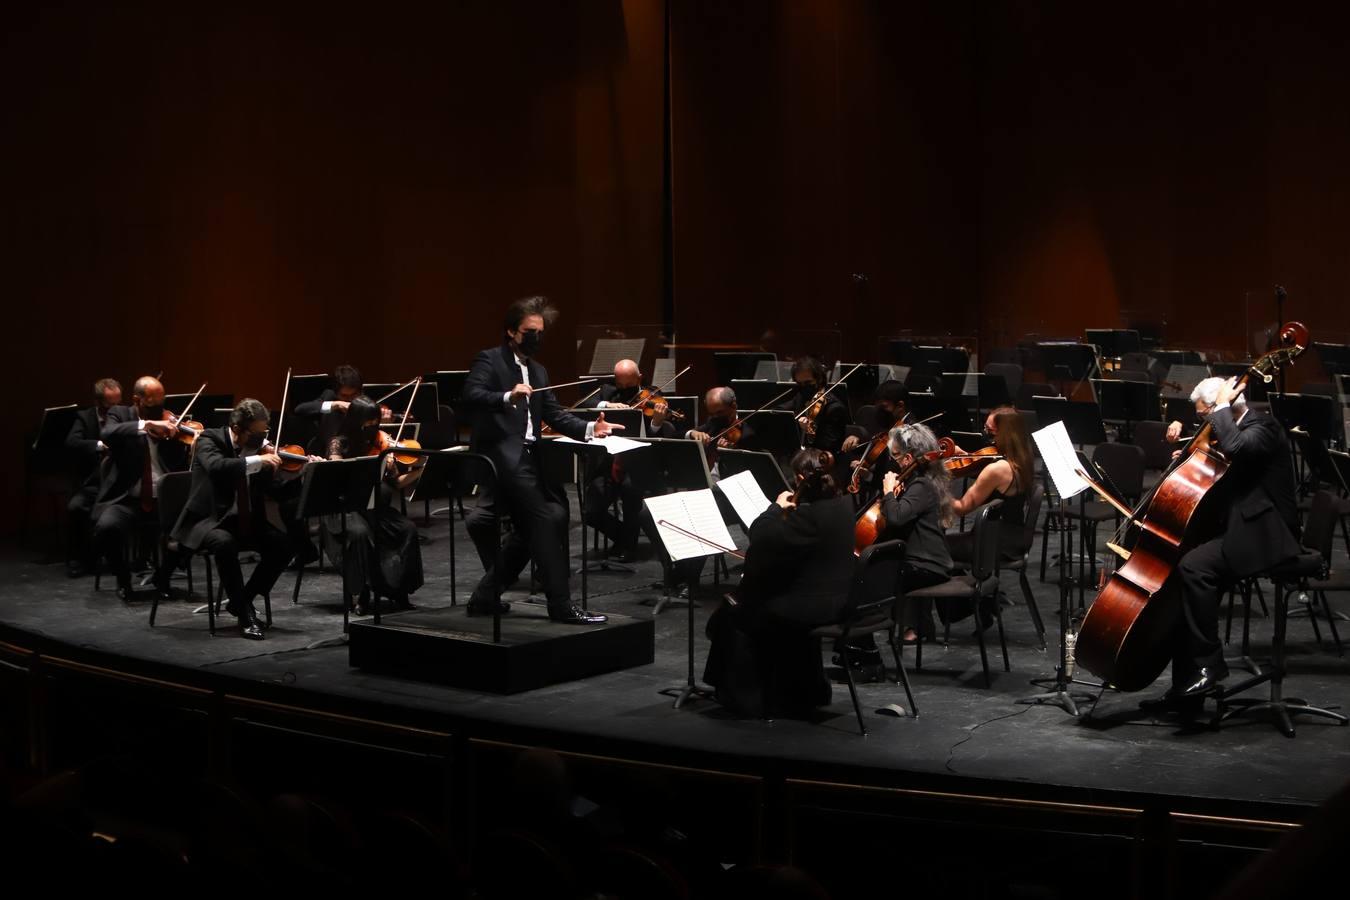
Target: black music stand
point(1335, 358)
point(631, 420)
point(176, 403)
point(1178, 357)
point(753, 393)
point(568, 461)
point(943, 414)
point(773, 430)
point(736, 365)
point(1114, 342)
point(672, 464)
point(46, 458)
point(1081, 418)
point(1067, 361)
point(863, 381)
point(1126, 402)
point(687, 407)
point(450, 385)
point(759, 463)
point(1258, 390)
point(335, 488)
point(304, 388)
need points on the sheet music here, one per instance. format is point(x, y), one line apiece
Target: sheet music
point(1061, 460)
point(696, 512)
point(745, 495)
point(613, 444)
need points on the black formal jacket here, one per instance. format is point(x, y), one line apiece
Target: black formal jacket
point(914, 517)
point(499, 426)
point(1257, 495)
point(127, 450)
point(217, 468)
point(329, 423)
point(82, 447)
point(800, 565)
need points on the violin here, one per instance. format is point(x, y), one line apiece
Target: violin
point(807, 417)
point(871, 523)
point(826, 464)
point(652, 404)
point(405, 461)
point(293, 456)
point(188, 431)
point(971, 463)
point(875, 448)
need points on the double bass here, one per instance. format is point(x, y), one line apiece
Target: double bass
point(1127, 636)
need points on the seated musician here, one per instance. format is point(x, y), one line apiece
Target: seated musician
point(721, 405)
point(143, 446)
point(832, 420)
point(232, 475)
point(888, 408)
point(1252, 527)
point(609, 481)
point(798, 573)
point(1005, 479)
point(509, 411)
point(86, 453)
point(378, 548)
point(917, 516)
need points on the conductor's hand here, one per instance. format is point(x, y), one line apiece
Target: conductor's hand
point(785, 500)
point(1173, 432)
point(521, 392)
point(605, 429)
point(270, 460)
point(850, 442)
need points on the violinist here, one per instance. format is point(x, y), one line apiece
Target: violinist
point(86, 452)
point(380, 548)
point(798, 571)
point(624, 392)
point(1005, 479)
point(1253, 527)
point(142, 447)
point(329, 407)
point(888, 408)
point(233, 472)
point(509, 410)
point(722, 413)
point(828, 416)
point(916, 511)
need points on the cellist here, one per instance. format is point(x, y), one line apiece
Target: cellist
point(1253, 527)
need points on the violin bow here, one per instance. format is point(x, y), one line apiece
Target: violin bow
point(701, 539)
point(417, 383)
point(666, 383)
point(397, 389)
point(820, 394)
point(187, 409)
point(584, 399)
point(285, 393)
point(740, 420)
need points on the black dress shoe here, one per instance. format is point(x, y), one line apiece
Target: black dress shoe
point(1206, 682)
point(250, 627)
point(125, 593)
point(575, 615)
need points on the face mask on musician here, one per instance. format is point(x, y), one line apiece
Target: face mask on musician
point(807, 387)
point(530, 342)
point(152, 413)
point(254, 440)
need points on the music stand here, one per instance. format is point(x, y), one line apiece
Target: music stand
point(564, 461)
point(776, 431)
point(759, 463)
point(863, 382)
point(632, 422)
point(335, 488)
point(1126, 402)
point(752, 394)
point(673, 464)
point(685, 406)
point(1081, 418)
point(216, 418)
point(1114, 342)
point(608, 352)
point(773, 371)
point(176, 403)
point(947, 414)
point(969, 441)
point(1178, 357)
point(1068, 361)
point(1181, 410)
point(304, 388)
point(449, 385)
point(738, 365)
point(1335, 358)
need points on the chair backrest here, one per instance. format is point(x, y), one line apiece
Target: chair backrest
point(1035, 498)
point(1319, 532)
point(1151, 437)
point(1124, 464)
point(173, 495)
point(984, 557)
point(875, 576)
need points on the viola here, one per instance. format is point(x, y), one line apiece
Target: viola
point(871, 523)
point(971, 463)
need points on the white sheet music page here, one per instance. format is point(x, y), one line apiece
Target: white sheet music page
point(745, 495)
point(1060, 460)
point(695, 512)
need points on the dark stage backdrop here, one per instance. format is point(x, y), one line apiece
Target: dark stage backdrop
point(224, 191)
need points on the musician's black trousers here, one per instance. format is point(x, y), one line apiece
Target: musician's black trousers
point(78, 527)
point(539, 530)
point(224, 544)
point(1205, 576)
point(112, 534)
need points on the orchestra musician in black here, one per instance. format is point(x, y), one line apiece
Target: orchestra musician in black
point(86, 452)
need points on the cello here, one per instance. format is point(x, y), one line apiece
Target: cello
point(1126, 637)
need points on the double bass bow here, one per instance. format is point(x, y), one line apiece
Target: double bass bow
point(1126, 637)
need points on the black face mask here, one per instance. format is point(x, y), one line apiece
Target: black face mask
point(152, 413)
point(884, 419)
point(253, 442)
point(807, 387)
point(988, 435)
point(370, 432)
point(529, 342)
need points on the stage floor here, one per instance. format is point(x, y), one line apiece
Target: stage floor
point(967, 735)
